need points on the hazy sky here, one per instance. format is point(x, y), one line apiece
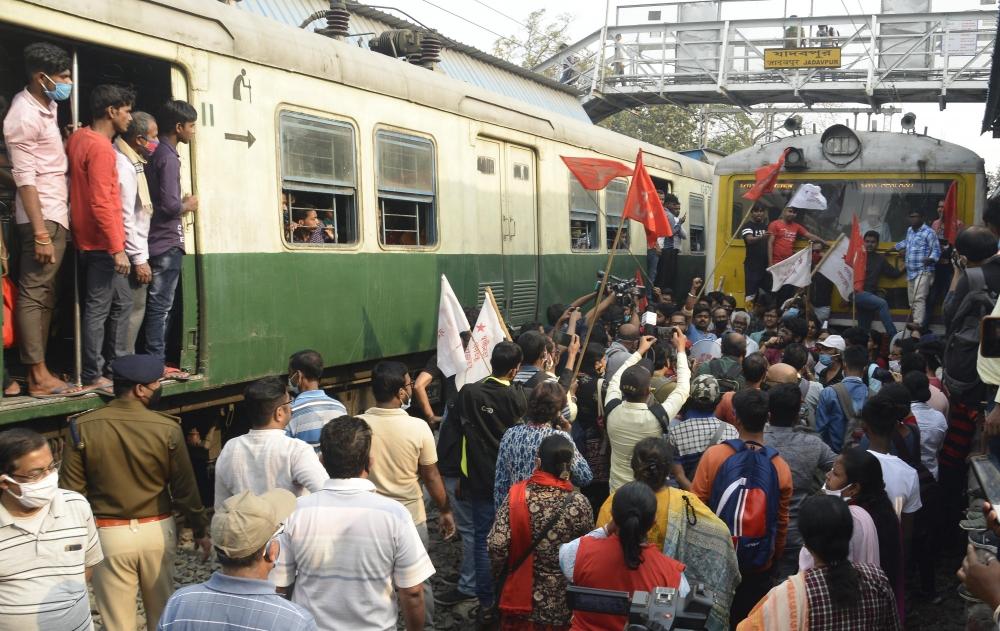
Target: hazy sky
point(959, 123)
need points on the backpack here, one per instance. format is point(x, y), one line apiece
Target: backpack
point(745, 495)
point(730, 380)
point(961, 350)
point(853, 430)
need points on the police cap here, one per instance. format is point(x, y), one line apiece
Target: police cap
point(137, 369)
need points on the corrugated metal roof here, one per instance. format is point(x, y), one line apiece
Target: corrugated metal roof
point(458, 60)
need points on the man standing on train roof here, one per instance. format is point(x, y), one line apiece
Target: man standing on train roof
point(99, 228)
point(921, 251)
point(166, 234)
point(41, 208)
point(131, 463)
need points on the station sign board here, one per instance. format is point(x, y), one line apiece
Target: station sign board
point(795, 58)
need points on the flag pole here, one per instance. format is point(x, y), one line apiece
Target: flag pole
point(729, 244)
point(829, 250)
point(496, 309)
point(600, 297)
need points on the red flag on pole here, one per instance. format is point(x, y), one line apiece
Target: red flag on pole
point(642, 303)
point(949, 218)
point(766, 177)
point(595, 173)
point(856, 256)
point(643, 204)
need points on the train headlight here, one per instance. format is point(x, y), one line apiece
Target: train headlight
point(795, 160)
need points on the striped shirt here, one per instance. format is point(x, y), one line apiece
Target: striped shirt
point(42, 583)
point(347, 548)
point(312, 410)
point(233, 602)
point(919, 244)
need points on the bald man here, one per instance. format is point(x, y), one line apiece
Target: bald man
point(781, 373)
point(626, 342)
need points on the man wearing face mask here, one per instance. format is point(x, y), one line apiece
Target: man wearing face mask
point(39, 167)
point(831, 370)
point(241, 595)
point(132, 150)
point(267, 458)
point(312, 407)
point(38, 520)
point(132, 465)
point(838, 415)
point(403, 446)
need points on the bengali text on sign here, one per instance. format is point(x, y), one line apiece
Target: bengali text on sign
point(780, 58)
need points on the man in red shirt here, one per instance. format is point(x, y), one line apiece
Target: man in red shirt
point(98, 225)
point(782, 233)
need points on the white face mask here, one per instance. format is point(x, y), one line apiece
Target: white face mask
point(894, 365)
point(35, 494)
point(405, 405)
point(836, 492)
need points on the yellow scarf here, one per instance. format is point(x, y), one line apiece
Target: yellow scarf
point(139, 163)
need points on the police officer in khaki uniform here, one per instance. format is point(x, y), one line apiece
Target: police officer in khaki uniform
point(133, 466)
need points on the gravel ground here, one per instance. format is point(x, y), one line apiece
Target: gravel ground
point(949, 615)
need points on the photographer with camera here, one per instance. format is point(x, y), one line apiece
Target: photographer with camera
point(629, 417)
point(617, 557)
point(685, 529)
point(836, 594)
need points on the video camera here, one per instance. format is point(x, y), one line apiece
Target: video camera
point(625, 289)
point(660, 610)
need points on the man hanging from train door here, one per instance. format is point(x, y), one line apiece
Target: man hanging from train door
point(166, 234)
point(921, 251)
point(39, 166)
point(99, 228)
point(666, 275)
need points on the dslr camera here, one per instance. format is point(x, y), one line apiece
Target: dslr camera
point(662, 609)
point(625, 289)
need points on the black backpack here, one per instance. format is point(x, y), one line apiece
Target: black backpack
point(961, 350)
point(729, 380)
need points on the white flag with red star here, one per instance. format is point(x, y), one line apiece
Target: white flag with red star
point(486, 334)
point(795, 270)
point(451, 324)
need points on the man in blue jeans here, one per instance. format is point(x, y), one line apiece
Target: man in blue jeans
point(485, 410)
point(868, 302)
point(166, 234)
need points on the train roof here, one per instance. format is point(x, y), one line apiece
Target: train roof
point(226, 30)
point(880, 152)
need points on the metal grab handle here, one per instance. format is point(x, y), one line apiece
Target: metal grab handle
point(504, 235)
point(513, 231)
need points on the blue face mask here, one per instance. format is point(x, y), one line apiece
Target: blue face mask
point(792, 313)
point(59, 91)
point(826, 360)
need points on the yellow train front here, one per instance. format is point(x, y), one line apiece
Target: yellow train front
point(878, 176)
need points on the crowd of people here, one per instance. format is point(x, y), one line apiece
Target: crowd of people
point(113, 190)
point(804, 478)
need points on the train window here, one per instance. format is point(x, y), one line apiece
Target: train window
point(583, 217)
point(614, 202)
point(318, 180)
point(696, 223)
point(405, 189)
point(881, 205)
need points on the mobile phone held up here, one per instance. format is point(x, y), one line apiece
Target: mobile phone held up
point(989, 337)
point(649, 322)
point(988, 476)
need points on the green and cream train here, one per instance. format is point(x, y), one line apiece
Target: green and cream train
point(414, 173)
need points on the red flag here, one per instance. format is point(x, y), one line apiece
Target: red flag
point(949, 218)
point(595, 173)
point(856, 256)
point(642, 303)
point(643, 204)
point(766, 177)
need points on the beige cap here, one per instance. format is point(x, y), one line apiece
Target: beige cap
point(246, 522)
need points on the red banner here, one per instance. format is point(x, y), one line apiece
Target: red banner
point(766, 177)
point(949, 218)
point(595, 173)
point(856, 257)
point(643, 203)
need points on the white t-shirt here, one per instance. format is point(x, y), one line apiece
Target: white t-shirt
point(901, 483)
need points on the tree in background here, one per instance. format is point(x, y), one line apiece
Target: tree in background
point(540, 39)
point(666, 126)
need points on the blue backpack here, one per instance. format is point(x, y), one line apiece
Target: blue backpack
point(745, 495)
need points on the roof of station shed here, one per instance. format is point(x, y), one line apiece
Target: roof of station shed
point(458, 60)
